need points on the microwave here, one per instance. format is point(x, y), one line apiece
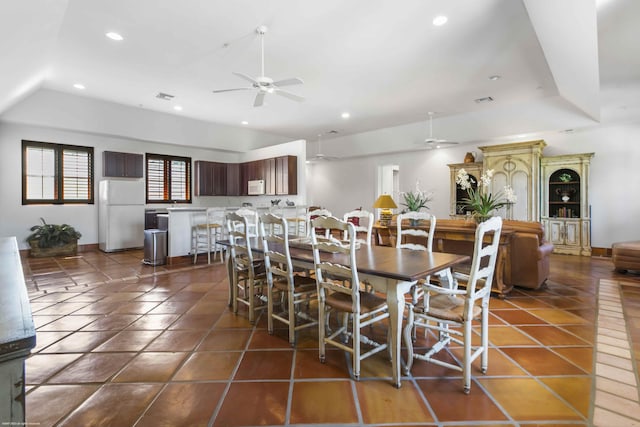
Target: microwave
point(256, 187)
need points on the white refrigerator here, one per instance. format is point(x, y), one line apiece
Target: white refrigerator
point(120, 214)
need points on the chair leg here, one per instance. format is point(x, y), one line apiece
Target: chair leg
point(356, 345)
point(409, 331)
point(484, 337)
point(234, 295)
point(466, 369)
point(270, 309)
point(292, 318)
point(321, 329)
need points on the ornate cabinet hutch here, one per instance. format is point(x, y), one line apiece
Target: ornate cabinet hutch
point(518, 165)
point(565, 202)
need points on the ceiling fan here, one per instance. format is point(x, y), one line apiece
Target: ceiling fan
point(319, 156)
point(264, 84)
point(432, 142)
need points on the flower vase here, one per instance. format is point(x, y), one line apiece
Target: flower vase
point(414, 222)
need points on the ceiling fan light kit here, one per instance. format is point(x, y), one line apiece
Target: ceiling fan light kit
point(432, 142)
point(263, 84)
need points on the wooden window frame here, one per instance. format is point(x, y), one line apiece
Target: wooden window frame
point(168, 197)
point(58, 149)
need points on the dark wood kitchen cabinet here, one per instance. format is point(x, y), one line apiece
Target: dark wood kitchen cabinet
point(250, 171)
point(233, 179)
point(287, 175)
point(122, 165)
point(211, 178)
point(270, 176)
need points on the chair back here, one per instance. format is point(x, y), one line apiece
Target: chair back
point(362, 216)
point(311, 214)
point(274, 235)
point(484, 258)
point(404, 229)
point(216, 217)
point(240, 243)
point(252, 220)
point(332, 277)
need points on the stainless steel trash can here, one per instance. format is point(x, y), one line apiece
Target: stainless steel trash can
point(155, 247)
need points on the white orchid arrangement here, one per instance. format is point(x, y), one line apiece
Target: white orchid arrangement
point(483, 203)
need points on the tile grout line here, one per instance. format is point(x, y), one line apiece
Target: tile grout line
point(609, 406)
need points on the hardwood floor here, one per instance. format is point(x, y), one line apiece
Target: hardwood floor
point(122, 344)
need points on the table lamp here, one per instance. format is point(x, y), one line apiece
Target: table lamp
point(385, 203)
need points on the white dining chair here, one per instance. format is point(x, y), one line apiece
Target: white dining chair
point(449, 312)
point(363, 224)
point(311, 214)
point(252, 220)
point(249, 274)
point(339, 291)
point(295, 291)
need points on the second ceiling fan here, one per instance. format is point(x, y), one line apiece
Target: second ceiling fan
point(432, 142)
point(263, 84)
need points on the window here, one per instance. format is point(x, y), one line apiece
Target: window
point(168, 179)
point(56, 173)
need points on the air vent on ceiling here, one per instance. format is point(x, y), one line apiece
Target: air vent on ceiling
point(332, 132)
point(485, 99)
point(164, 96)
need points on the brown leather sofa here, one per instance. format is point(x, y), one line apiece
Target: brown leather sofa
point(527, 263)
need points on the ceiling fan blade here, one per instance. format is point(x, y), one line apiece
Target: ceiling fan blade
point(289, 95)
point(288, 82)
point(247, 78)
point(231, 90)
point(259, 99)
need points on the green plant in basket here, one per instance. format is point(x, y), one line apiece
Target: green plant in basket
point(52, 235)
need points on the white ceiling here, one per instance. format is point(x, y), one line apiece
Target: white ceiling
point(382, 61)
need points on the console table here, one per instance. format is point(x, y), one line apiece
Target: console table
point(459, 240)
point(17, 334)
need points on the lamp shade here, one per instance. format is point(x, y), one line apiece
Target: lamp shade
point(385, 202)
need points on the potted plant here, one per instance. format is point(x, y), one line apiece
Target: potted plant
point(481, 203)
point(416, 200)
point(53, 240)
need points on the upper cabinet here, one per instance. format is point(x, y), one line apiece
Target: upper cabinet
point(516, 165)
point(565, 202)
point(211, 178)
point(280, 175)
point(287, 175)
point(122, 165)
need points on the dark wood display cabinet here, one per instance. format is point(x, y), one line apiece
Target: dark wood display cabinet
point(122, 165)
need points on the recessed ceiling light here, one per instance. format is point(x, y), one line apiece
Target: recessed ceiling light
point(440, 20)
point(114, 36)
point(244, 122)
point(177, 107)
point(494, 77)
point(79, 86)
point(346, 115)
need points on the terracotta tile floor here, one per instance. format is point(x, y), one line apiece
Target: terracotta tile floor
point(124, 344)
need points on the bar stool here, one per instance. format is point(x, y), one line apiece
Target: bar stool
point(206, 230)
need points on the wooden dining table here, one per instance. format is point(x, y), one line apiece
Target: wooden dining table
point(388, 270)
